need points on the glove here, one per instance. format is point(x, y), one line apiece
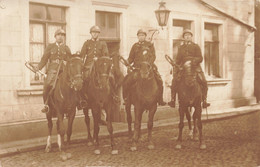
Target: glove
point(36, 68)
point(187, 64)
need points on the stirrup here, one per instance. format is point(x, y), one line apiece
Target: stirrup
point(45, 109)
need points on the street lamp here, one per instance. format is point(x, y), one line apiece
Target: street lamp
point(162, 14)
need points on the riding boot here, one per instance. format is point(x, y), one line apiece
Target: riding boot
point(173, 93)
point(173, 98)
point(46, 94)
point(204, 89)
point(160, 99)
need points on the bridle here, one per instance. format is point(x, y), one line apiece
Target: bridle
point(73, 80)
point(97, 76)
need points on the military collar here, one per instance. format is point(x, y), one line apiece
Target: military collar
point(187, 43)
point(140, 42)
point(58, 44)
point(94, 39)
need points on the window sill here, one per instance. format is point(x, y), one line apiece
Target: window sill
point(30, 92)
point(218, 81)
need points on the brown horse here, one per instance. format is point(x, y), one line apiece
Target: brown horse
point(190, 95)
point(100, 96)
point(64, 99)
point(144, 95)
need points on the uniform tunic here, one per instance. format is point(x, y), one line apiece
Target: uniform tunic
point(54, 53)
point(93, 48)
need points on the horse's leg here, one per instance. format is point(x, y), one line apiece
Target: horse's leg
point(150, 126)
point(188, 117)
point(137, 124)
point(61, 131)
point(129, 119)
point(194, 117)
point(87, 121)
point(198, 111)
point(72, 114)
point(96, 115)
point(110, 128)
point(50, 126)
point(182, 110)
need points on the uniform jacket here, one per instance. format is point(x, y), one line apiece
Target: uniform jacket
point(53, 53)
point(91, 49)
point(139, 51)
point(189, 52)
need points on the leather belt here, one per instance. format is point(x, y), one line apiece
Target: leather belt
point(55, 61)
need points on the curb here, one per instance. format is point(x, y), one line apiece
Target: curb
point(119, 133)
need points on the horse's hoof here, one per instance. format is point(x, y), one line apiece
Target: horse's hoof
point(190, 134)
point(178, 146)
point(90, 143)
point(97, 152)
point(63, 157)
point(68, 155)
point(195, 138)
point(203, 146)
point(48, 149)
point(151, 147)
point(134, 148)
point(114, 152)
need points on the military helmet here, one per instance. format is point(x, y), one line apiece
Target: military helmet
point(94, 29)
point(59, 31)
point(141, 31)
point(187, 31)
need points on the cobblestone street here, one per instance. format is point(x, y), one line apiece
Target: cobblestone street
point(230, 142)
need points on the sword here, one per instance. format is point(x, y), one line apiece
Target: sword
point(29, 65)
point(123, 61)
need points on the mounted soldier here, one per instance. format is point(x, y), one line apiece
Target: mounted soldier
point(91, 50)
point(56, 54)
point(147, 48)
point(189, 53)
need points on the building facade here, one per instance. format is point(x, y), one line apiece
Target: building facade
point(223, 30)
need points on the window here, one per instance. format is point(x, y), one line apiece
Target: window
point(211, 50)
point(44, 21)
point(109, 25)
point(178, 27)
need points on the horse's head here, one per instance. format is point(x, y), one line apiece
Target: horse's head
point(74, 71)
point(145, 70)
point(103, 66)
point(145, 65)
point(189, 75)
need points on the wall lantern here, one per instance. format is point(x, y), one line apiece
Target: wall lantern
point(162, 14)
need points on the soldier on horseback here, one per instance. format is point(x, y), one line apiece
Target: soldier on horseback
point(189, 53)
point(55, 53)
point(146, 48)
point(94, 48)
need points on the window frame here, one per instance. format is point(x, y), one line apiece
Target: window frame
point(222, 26)
point(46, 23)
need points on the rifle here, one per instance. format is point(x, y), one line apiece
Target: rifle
point(174, 65)
point(29, 65)
point(124, 61)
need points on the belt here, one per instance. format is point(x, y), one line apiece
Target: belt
point(56, 61)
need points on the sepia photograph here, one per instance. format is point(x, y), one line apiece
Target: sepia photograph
point(129, 83)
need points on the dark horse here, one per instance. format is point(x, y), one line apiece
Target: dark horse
point(100, 96)
point(190, 95)
point(64, 99)
point(144, 96)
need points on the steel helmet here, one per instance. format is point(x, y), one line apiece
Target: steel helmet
point(187, 31)
point(59, 31)
point(141, 31)
point(94, 29)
